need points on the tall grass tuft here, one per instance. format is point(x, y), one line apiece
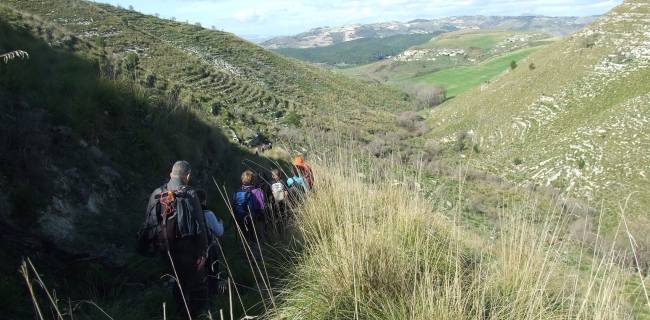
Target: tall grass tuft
point(373, 249)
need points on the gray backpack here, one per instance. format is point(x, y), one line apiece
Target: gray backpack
point(278, 191)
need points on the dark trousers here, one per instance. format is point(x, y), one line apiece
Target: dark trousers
point(212, 268)
point(247, 229)
point(191, 281)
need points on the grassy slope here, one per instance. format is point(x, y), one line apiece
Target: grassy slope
point(460, 79)
point(387, 255)
point(213, 67)
point(576, 122)
point(484, 51)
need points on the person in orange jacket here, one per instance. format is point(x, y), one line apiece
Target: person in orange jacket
point(306, 171)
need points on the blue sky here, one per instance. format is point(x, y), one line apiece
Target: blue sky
point(290, 17)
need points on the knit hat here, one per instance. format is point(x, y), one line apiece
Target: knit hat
point(298, 161)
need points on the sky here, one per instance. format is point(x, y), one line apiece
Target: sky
point(290, 17)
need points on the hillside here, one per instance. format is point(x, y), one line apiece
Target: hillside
point(576, 123)
point(362, 51)
point(327, 36)
point(103, 105)
point(464, 48)
point(240, 83)
point(411, 219)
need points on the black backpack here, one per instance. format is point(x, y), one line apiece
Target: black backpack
point(168, 220)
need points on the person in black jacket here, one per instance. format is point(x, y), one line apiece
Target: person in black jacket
point(187, 255)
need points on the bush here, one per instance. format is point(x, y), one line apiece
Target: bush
point(293, 119)
point(408, 119)
point(433, 147)
point(513, 64)
point(518, 161)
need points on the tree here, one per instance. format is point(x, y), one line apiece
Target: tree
point(513, 64)
point(172, 18)
point(132, 61)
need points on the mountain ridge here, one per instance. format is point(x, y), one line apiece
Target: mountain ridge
point(325, 36)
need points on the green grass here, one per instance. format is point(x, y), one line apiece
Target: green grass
point(353, 69)
point(461, 79)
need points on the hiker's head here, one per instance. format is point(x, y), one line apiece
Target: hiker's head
point(181, 170)
point(275, 173)
point(203, 196)
point(248, 177)
point(298, 161)
point(261, 176)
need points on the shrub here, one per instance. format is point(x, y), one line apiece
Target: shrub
point(513, 64)
point(293, 119)
point(433, 147)
point(408, 119)
point(518, 161)
point(531, 66)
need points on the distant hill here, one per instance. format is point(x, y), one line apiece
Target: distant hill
point(362, 51)
point(577, 122)
point(439, 60)
point(327, 36)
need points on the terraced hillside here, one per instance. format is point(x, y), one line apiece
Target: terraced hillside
point(578, 122)
point(247, 89)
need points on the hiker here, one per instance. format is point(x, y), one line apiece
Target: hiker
point(307, 173)
point(279, 191)
point(248, 203)
point(187, 255)
point(297, 186)
point(256, 154)
point(262, 183)
point(214, 227)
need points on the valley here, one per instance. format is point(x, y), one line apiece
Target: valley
point(496, 191)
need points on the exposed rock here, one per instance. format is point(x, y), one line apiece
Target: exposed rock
point(111, 172)
point(96, 152)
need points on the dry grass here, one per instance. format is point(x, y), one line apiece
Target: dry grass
point(14, 54)
point(376, 250)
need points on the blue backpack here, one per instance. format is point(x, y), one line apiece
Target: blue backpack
point(242, 205)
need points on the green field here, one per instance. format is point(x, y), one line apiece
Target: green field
point(458, 80)
point(348, 70)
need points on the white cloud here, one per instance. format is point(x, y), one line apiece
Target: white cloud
point(248, 15)
point(295, 16)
